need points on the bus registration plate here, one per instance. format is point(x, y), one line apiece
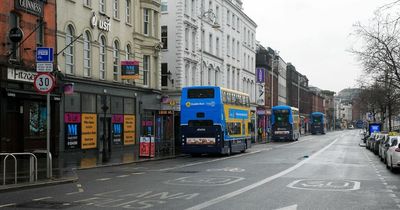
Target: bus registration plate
point(200, 140)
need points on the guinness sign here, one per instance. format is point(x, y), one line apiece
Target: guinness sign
point(15, 34)
point(34, 7)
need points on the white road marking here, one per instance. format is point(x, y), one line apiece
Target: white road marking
point(7, 205)
point(103, 179)
point(293, 207)
point(73, 193)
point(122, 176)
point(105, 193)
point(39, 199)
point(392, 195)
point(259, 183)
point(137, 173)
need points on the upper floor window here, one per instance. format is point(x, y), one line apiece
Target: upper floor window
point(164, 5)
point(115, 60)
point(186, 38)
point(210, 44)
point(87, 55)
point(146, 20)
point(193, 8)
point(14, 22)
point(102, 59)
point(217, 14)
point(233, 21)
point(193, 40)
point(128, 50)
point(228, 17)
point(186, 7)
point(228, 46)
point(164, 36)
point(40, 33)
point(217, 47)
point(69, 51)
point(102, 5)
point(146, 69)
point(116, 9)
point(128, 11)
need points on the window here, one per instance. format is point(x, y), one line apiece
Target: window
point(115, 60)
point(129, 106)
point(187, 69)
point(228, 77)
point(116, 9)
point(193, 75)
point(102, 5)
point(238, 81)
point(102, 59)
point(202, 39)
point(164, 36)
point(210, 5)
point(209, 76)
point(234, 128)
point(238, 24)
point(155, 26)
point(217, 46)
point(186, 38)
point(252, 40)
point(146, 69)
point(217, 14)
point(202, 6)
point(37, 119)
point(146, 21)
point(228, 17)
point(40, 33)
point(233, 78)
point(69, 51)
point(87, 3)
point(87, 54)
point(228, 47)
point(164, 5)
point(244, 35)
point(14, 22)
point(186, 7)
point(164, 74)
point(201, 93)
point(238, 50)
point(193, 40)
point(128, 11)
point(88, 103)
point(128, 55)
point(233, 21)
point(210, 44)
point(233, 48)
point(216, 78)
point(193, 8)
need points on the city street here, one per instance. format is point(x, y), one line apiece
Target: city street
point(317, 172)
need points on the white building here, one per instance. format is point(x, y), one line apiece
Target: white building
point(196, 52)
point(282, 90)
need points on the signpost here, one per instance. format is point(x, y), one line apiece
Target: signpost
point(44, 83)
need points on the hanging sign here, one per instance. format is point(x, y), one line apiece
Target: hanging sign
point(129, 69)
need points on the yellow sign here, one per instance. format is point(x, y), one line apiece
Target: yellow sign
point(187, 104)
point(129, 129)
point(89, 131)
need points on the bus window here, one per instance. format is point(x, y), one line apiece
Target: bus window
point(282, 117)
point(224, 97)
point(196, 123)
point(229, 98)
point(234, 128)
point(201, 93)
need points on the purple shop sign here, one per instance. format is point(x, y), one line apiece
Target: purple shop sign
point(117, 118)
point(72, 118)
point(260, 75)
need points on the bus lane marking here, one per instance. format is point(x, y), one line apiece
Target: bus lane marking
point(205, 181)
point(259, 183)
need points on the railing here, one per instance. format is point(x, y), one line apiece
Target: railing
point(32, 166)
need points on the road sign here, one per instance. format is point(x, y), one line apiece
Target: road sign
point(44, 83)
point(44, 55)
point(44, 67)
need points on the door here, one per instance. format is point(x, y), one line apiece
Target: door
point(105, 134)
point(14, 127)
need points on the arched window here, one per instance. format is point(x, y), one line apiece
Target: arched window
point(69, 51)
point(216, 77)
point(87, 55)
point(128, 55)
point(115, 60)
point(102, 60)
point(209, 75)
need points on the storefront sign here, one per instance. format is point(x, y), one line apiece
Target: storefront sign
point(20, 75)
point(261, 111)
point(89, 131)
point(15, 34)
point(165, 112)
point(117, 123)
point(260, 75)
point(72, 130)
point(129, 69)
point(104, 25)
point(129, 129)
point(30, 6)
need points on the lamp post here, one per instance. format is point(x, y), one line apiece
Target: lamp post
point(212, 18)
point(104, 108)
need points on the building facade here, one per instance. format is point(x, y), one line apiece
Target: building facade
point(109, 61)
point(23, 113)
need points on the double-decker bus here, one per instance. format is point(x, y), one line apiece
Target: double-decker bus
point(214, 120)
point(285, 123)
point(318, 124)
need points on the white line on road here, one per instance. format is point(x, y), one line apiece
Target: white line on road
point(122, 176)
point(137, 173)
point(39, 199)
point(293, 207)
point(7, 205)
point(259, 183)
point(103, 179)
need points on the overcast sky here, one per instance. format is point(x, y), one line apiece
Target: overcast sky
point(314, 35)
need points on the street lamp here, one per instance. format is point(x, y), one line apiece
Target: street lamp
point(211, 17)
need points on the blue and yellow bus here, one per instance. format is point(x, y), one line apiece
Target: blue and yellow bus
point(285, 123)
point(214, 120)
point(317, 124)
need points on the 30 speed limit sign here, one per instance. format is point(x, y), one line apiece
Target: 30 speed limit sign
point(44, 82)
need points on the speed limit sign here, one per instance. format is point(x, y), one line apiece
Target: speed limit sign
point(44, 82)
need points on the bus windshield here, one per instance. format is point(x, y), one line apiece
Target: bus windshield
point(201, 93)
point(317, 119)
point(282, 117)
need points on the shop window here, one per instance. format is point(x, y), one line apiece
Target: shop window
point(117, 105)
point(147, 124)
point(129, 106)
point(37, 119)
point(88, 103)
point(72, 103)
point(100, 103)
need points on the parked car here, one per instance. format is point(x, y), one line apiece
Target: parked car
point(370, 139)
point(383, 148)
point(378, 140)
point(393, 155)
